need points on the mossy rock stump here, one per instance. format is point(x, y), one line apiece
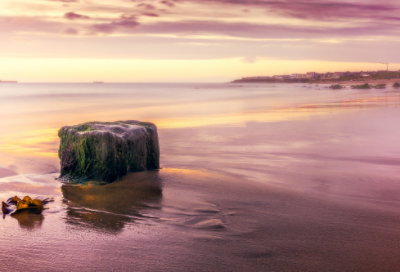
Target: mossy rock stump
point(104, 152)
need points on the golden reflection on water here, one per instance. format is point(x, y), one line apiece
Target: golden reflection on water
point(185, 171)
point(33, 131)
point(109, 207)
point(346, 158)
point(33, 142)
point(36, 141)
point(241, 118)
point(29, 220)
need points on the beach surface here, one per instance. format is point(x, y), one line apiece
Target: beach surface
point(255, 177)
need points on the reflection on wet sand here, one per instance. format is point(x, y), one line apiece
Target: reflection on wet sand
point(37, 135)
point(282, 179)
point(29, 219)
point(108, 208)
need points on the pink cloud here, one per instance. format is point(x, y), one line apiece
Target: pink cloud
point(113, 27)
point(64, 1)
point(312, 9)
point(70, 31)
point(102, 28)
point(126, 23)
point(150, 14)
point(146, 6)
point(128, 17)
point(168, 3)
point(73, 16)
point(378, 18)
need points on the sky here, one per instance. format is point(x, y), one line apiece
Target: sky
point(193, 40)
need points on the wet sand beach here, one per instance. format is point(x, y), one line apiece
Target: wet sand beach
point(201, 221)
point(258, 178)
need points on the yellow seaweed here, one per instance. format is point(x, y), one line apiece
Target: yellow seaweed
point(5, 208)
point(15, 204)
point(28, 203)
point(15, 199)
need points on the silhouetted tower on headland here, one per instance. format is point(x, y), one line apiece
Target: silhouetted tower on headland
point(387, 65)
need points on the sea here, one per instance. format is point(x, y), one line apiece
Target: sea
point(254, 177)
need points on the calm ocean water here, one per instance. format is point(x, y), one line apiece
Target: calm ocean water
point(219, 144)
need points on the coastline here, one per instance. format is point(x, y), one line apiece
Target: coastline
point(389, 82)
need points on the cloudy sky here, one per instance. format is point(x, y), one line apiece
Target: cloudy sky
point(193, 40)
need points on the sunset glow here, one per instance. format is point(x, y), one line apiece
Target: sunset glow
point(192, 41)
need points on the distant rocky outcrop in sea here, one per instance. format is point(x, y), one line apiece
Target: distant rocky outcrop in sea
point(363, 86)
point(336, 87)
point(368, 86)
point(104, 152)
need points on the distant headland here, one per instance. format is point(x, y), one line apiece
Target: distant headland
point(329, 77)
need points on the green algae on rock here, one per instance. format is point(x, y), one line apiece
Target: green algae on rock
point(103, 151)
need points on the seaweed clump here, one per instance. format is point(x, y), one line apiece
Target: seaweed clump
point(396, 85)
point(104, 152)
